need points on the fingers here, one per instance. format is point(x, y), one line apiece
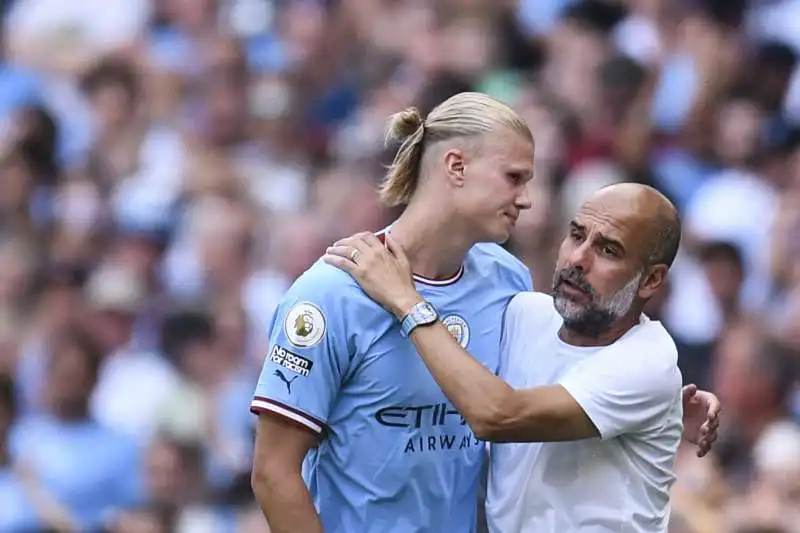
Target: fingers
point(397, 250)
point(368, 245)
point(353, 248)
point(345, 252)
point(689, 391)
point(705, 446)
point(363, 240)
point(708, 435)
point(371, 240)
point(353, 242)
point(714, 407)
point(713, 420)
point(340, 262)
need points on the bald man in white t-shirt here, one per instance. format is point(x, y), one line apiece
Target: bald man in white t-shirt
point(587, 418)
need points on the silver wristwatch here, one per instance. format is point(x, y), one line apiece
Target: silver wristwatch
point(421, 314)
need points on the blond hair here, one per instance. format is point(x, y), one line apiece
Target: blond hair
point(462, 115)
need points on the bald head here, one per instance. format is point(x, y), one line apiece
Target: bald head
point(615, 257)
point(645, 206)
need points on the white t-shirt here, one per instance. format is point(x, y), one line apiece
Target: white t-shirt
point(631, 390)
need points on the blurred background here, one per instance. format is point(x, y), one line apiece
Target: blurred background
point(169, 167)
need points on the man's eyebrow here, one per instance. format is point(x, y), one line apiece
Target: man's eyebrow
point(603, 239)
point(576, 225)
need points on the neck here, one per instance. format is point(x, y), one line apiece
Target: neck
point(598, 338)
point(435, 247)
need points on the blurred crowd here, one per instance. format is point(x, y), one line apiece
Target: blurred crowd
point(169, 167)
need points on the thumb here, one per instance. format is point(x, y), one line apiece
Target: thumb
point(689, 391)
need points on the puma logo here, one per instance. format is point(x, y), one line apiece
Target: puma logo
point(287, 381)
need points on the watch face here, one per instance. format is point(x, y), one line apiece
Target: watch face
point(427, 312)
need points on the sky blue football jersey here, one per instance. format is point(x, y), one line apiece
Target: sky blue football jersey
point(395, 456)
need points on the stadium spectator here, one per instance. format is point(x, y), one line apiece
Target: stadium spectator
point(700, 99)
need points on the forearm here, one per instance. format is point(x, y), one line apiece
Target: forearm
point(495, 411)
point(478, 394)
point(286, 502)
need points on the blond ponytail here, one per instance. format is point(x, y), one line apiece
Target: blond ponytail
point(407, 127)
point(462, 115)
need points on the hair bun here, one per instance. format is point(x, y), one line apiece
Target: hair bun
point(403, 124)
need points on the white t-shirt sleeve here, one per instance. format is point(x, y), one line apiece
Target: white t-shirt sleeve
point(629, 386)
point(529, 316)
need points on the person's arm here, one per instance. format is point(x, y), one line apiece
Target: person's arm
point(276, 477)
point(302, 374)
point(571, 410)
point(493, 409)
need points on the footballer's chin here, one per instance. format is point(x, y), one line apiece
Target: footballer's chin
point(500, 236)
point(497, 229)
point(503, 229)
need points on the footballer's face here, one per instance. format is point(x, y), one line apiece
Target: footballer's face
point(600, 268)
point(494, 173)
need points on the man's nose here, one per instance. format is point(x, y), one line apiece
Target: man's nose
point(523, 200)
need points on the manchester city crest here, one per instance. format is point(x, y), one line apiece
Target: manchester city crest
point(458, 328)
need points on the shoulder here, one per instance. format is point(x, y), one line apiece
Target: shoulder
point(650, 353)
point(326, 285)
point(532, 301)
point(496, 254)
point(325, 293)
point(531, 313)
point(654, 337)
point(532, 306)
point(492, 260)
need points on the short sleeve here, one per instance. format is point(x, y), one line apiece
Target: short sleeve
point(528, 315)
point(307, 357)
point(625, 388)
point(510, 330)
point(522, 278)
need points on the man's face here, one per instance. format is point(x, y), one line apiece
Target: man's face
point(600, 267)
point(495, 175)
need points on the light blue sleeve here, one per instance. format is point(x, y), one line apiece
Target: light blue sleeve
point(525, 278)
point(308, 354)
point(517, 276)
point(514, 272)
point(509, 271)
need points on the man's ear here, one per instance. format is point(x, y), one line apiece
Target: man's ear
point(454, 164)
point(654, 279)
